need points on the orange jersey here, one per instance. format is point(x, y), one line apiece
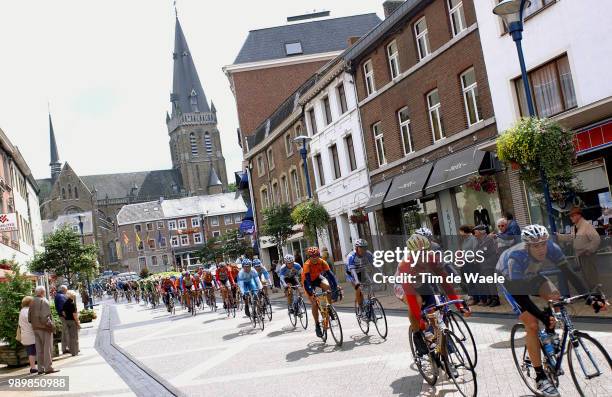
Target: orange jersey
point(235, 270)
point(315, 268)
point(207, 277)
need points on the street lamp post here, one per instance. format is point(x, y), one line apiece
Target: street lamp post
point(511, 11)
point(80, 218)
point(304, 139)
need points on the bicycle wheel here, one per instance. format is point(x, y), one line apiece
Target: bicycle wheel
point(427, 365)
point(379, 317)
point(458, 366)
point(302, 312)
point(362, 321)
point(291, 311)
point(461, 329)
point(253, 311)
point(335, 326)
point(268, 306)
point(261, 317)
point(523, 362)
point(590, 365)
point(213, 301)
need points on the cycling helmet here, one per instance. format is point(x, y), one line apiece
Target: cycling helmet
point(424, 231)
point(289, 258)
point(246, 262)
point(534, 233)
point(313, 251)
point(256, 262)
point(417, 242)
point(361, 243)
point(221, 264)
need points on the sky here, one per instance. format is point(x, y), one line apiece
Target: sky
point(104, 69)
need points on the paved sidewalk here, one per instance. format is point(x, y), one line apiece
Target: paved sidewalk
point(89, 373)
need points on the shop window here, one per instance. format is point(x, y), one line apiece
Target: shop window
point(470, 96)
point(477, 207)
point(457, 16)
point(552, 89)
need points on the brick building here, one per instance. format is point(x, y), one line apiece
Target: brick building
point(166, 233)
point(277, 61)
point(426, 110)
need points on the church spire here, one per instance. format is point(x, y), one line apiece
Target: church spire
point(55, 164)
point(187, 93)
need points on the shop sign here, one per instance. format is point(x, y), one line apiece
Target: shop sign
point(456, 167)
point(8, 222)
point(594, 138)
point(407, 185)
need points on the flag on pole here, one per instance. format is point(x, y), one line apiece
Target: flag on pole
point(159, 238)
point(138, 240)
point(126, 239)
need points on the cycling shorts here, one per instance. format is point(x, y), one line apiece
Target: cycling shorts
point(292, 281)
point(527, 287)
point(225, 283)
point(361, 277)
point(207, 285)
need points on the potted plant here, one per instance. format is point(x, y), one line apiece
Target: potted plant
point(12, 291)
point(87, 315)
point(481, 183)
point(359, 216)
point(540, 147)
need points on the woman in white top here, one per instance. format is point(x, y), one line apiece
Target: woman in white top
point(27, 333)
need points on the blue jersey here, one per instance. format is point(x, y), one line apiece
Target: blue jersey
point(358, 263)
point(264, 273)
point(285, 272)
point(516, 263)
point(248, 281)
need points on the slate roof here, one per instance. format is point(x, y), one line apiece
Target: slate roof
point(53, 144)
point(49, 226)
point(141, 212)
point(148, 185)
point(316, 37)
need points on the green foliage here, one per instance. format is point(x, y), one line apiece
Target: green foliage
point(231, 187)
point(144, 272)
point(278, 224)
point(313, 216)
point(233, 245)
point(540, 145)
point(65, 256)
point(56, 320)
point(87, 315)
point(159, 275)
point(11, 293)
point(211, 250)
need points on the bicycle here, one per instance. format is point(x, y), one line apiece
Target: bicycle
point(255, 308)
point(266, 305)
point(445, 351)
point(237, 297)
point(580, 357)
point(211, 300)
point(115, 295)
point(372, 311)
point(170, 305)
point(192, 302)
point(137, 297)
point(230, 305)
point(329, 315)
point(297, 307)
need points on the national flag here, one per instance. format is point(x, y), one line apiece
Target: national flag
point(138, 240)
point(126, 239)
point(159, 238)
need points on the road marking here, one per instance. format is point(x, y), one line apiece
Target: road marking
point(189, 351)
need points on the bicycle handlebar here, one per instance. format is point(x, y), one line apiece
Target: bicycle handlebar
point(439, 306)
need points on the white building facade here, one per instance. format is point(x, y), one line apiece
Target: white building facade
point(567, 54)
point(337, 156)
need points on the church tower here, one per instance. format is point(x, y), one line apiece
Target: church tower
point(195, 144)
point(55, 164)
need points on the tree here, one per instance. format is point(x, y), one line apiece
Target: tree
point(65, 256)
point(211, 250)
point(11, 293)
point(233, 245)
point(144, 272)
point(278, 225)
point(313, 216)
point(231, 187)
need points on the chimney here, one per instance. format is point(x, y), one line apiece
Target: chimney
point(389, 6)
point(352, 40)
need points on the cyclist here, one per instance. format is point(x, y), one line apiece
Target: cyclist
point(264, 276)
point(520, 266)
point(418, 294)
point(185, 285)
point(208, 284)
point(356, 269)
point(225, 281)
point(289, 274)
point(426, 232)
point(167, 286)
point(316, 273)
point(248, 281)
point(197, 287)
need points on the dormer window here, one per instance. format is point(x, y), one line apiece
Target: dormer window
point(294, 48)
point(193, 101)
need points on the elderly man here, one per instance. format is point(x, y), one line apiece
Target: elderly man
point(60, 299)
point(585, 240)
point(505, 236)
point(40, 318)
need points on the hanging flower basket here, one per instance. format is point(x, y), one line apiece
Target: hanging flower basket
point(359, 216)
point(484, 184)
point(540, 146)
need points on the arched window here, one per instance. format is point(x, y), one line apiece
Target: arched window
point(63, 194)
point(76, 192)
point(194, 144)
point(69, 191)
point(208, 143)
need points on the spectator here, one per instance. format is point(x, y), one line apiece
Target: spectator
point(274, 269)
point(513, 227)
point(505, 238)
point(585, 240)
point(27, 333)
point(298, 258)
point(469, 244)
point(325, 256)
point(60, 299)
point(488, 248)
point(39, 316)
point(85, 293)
point(71, 315)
